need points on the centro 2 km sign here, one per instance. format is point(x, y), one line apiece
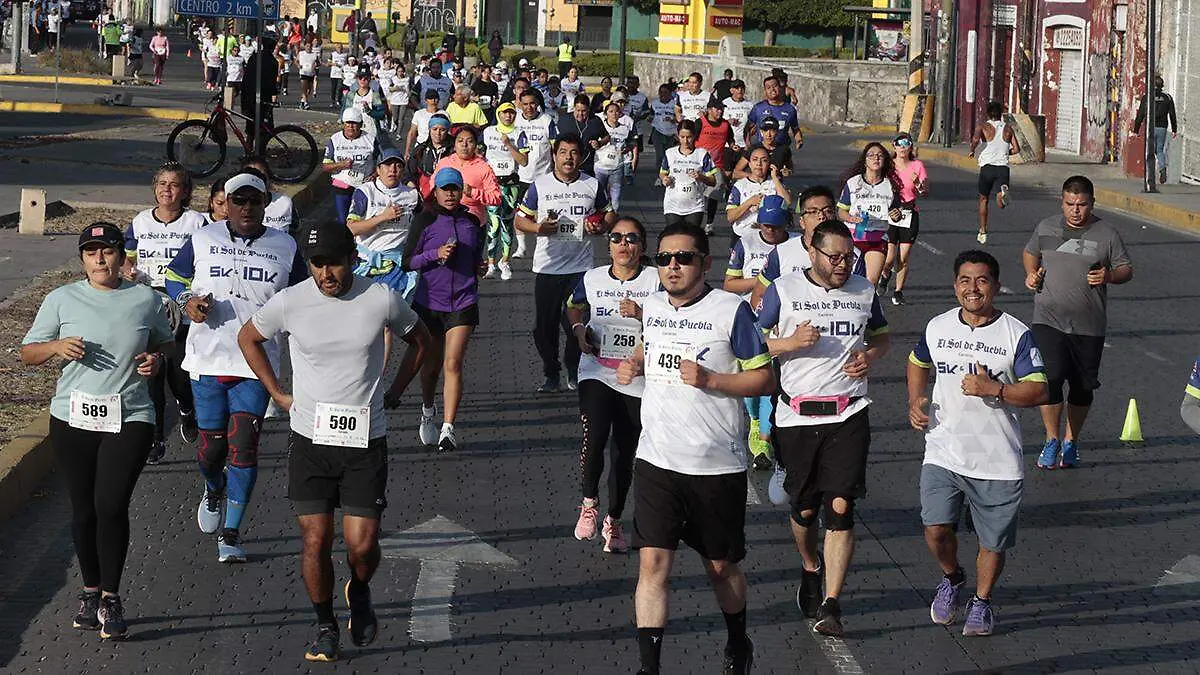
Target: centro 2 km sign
point(238, 9)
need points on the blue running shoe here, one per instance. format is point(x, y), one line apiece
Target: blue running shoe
point(944, 608)
point(980, 619)
point(1070, 455)
point(1049, 457)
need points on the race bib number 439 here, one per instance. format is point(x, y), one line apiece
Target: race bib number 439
point(95, 413)
point(663, 361)
point(346, 426)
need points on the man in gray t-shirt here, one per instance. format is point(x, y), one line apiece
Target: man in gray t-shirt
point(1069, 262)
point(337, 452)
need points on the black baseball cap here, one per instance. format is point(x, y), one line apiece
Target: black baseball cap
point(329, 239)
point(715, 102)
point(102, 233)
point(431, 94)
point(737, 84)
point(769, 123)
point(364, 71)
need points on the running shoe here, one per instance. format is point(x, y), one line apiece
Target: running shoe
point(614, 538)
point(446, 441)
point(1049, 457)
point(762, 461)
point(550, 386)
point(572, 383)
point(881, 286)
point(898, 297)
point(428, 430)
point(208, 514)
point(158, 449)
point(325, 647)
point(505, 270)
point(585, 527)
point(1070, 455)
point(980, 619)
point(88, 617)
point(810, 592)
point(738, 660)
point(112, 618)
point(363, 624)
point(229, 547)
point(981, 237)
point(708, 229)
point(491, 271)
point(1003, 197)
point(520, 252)
point(775, 490)
point(829, 618)
point(759, 447)
point(187, 427)
point(944, 608)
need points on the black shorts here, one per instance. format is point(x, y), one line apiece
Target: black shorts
point(440, 322)
point(112, 50)
point(708, 513)
point(1074, 359)
point(307, 79)
point(695, 219)
point(905, 235)
point(991, 177)
point(323, 477)
point(825, 459)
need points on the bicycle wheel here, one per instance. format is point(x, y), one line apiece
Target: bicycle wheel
point(194, 145)
point(291, 154)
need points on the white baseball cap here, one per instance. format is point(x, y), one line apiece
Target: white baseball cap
point(243, 180)
point(352, 115)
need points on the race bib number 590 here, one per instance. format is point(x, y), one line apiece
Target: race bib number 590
point(346, 426)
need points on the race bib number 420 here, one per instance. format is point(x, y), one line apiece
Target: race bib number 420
point(95, 413)
point(346, 426)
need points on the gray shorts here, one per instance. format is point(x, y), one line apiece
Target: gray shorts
point(994, 504)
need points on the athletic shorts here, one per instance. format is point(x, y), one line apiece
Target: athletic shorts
point(218, 398)
point(440, 322)
point(695, 219)
point(994, 504)
point(824, 459)
point(905, 235)
point(322, 478)
point(1074, 359)
point(991, 177)
point(866, 247)
point(307, 79)
point(708, 513)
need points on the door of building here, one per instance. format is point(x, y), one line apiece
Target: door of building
point(1069, 115)
point(1187, 93)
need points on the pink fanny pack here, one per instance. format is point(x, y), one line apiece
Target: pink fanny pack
point(820, 405)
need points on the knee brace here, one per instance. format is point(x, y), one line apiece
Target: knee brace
point(211, 452)
point(798, 510)
point(834, 521)
point(1079, 396)
point(243, 434)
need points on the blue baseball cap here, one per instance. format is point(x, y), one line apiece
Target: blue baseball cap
point(391, 155)
point(447, 177)
point(773, 212)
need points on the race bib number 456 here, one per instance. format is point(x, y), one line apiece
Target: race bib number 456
point(345, 426)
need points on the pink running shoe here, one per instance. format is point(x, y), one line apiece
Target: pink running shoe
point(614, 539)
point(585, 527)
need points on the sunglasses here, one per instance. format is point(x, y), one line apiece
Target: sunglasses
point(242, 200)
point(664, 258)
point(631, 238)
point(836, 259)
point(902, 143)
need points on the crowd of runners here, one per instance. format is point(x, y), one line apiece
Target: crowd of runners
point(683, 386)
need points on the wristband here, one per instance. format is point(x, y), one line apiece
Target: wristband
point(183, 297)
point(575, 325)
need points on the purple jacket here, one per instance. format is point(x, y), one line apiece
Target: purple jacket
point(453, 286)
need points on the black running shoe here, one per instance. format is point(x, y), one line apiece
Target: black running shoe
point(739, 660)
point(363, 624)
point(881, 286)
point(829, 618)
point(89, 606)
point(812, 589)
point(325, 647)
point(112, 618)
point(187, 427)
point(898, 298)
point(157, 450)
point(550, 386)
point(763, 462)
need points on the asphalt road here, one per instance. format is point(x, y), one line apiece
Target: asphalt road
point(1077, 596)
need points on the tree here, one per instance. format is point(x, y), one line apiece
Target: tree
point(649, 7)
point(772, 16)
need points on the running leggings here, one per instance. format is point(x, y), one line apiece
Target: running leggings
point(101, 470)
point(171, 375)
point(604, 410)
point(500, 223)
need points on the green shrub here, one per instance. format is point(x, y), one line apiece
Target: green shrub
point(76, 61)
point(649, 45)
point(779, 51)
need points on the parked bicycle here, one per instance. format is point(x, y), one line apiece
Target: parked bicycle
point(200, 145)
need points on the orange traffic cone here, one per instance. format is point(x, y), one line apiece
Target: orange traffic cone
point(189, 54)
point(1132, 431)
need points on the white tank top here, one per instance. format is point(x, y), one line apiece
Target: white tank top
point(995, 151)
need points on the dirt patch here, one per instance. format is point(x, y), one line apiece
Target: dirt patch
point(67, 221)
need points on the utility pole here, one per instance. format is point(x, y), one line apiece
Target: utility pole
point(945, 63)
point(916, 47)
point(1150, 184)
point(621, 7)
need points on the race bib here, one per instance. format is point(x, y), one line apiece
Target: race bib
point(662, 363)
point(346, 426)
point(619, 342)
point(95, 413)
point(354, 177)
point(568, 230)
point(155, 269)
point(609, 153)
point(905, 220)
point(504, 166)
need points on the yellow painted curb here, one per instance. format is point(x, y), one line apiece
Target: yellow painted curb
point(64, 79)
point(24, 463)
point(93, 109)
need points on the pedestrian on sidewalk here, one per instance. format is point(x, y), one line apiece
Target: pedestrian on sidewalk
point(566, 56)
point(1069, 262)
point(160, 47)
point(101, 438)
point(135, 50)
point(1164, 112)
point(999, 142)
point(53, 24)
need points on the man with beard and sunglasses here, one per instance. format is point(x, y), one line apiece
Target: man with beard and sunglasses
point(702, 353)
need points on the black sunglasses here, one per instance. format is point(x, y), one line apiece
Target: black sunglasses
point(663, 258)
point(631, 238)
point(242, 200)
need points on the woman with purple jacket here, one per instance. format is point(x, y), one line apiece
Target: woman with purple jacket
point(446, 247)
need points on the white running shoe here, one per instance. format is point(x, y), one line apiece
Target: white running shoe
point(274, 412)
point(229, 547)
point(491, 271)
point(520, 252)
point(447, 441)
point(775, 491)
point(1003, 197)
point(505, 270)
point(429, 428)
point(208, 514)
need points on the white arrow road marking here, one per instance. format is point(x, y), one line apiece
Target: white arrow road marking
point(441, 545)
point(752, 497)
point(1186, 571)
point(927, 247)
point(836, 651)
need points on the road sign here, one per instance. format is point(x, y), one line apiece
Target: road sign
point(238, 9)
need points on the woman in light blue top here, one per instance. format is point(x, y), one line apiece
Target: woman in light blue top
point(111, 335)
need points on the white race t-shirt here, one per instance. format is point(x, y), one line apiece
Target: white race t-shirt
point(617, 336)
point(307, 63)
point(686, 195)
point(610, 155)
point(744, 189)
point(279, 212)
point(235, 67)
point(499, 158)
point(337, 61)
point(859, 197)
point(369, 200)
point(539, 132)
point(737, 112)
point(361, 151)
point(747, 257)
point(664, 121)
point(693, 105)
point(570, 250)
point(155, 243)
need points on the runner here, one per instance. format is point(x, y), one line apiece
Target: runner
point(366, 97)
point(747, 194)
point(281, 214)
point(999, 142)
point(691, 100)
point(737, 111)
point(462, 110)
point(702, 353)
point(380, 218)
point(611, 158)
point(902, 234)
point(1189, 409)
point(349, 158)
point(571, 84)
point(870, 202)
point(480, 189)
point(664, 125)
point(715, 134)
point(588, 127)
point(151, 242)
point(425, 156)
point(446, 248)
point(220, 277)
point(684, 172)
point(540, 133)
point(613, 295)
point(418, 130)
point(780, 154)
point(1069, 262)
point(337, 62)
point(565, 209)
point(972, 437)
point(822, 427)
point(216, 203)
point(307, 62)
point(101, 415)
point(815, 205)
point(337, 452)
point(746, 260)
point(505, 152)
point(434, 80)
point(776, 106)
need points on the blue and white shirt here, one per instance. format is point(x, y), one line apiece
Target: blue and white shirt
point(686, 194)
point(872, 203)
point(153, 244)
point(570, 250)
point(369, 200)
point(747, 257)
point(539, 133)
point(792, 257)
point(784, 113)
point(1193, 385)
point(744, 189)
point(616, 336)
point(500, 159)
